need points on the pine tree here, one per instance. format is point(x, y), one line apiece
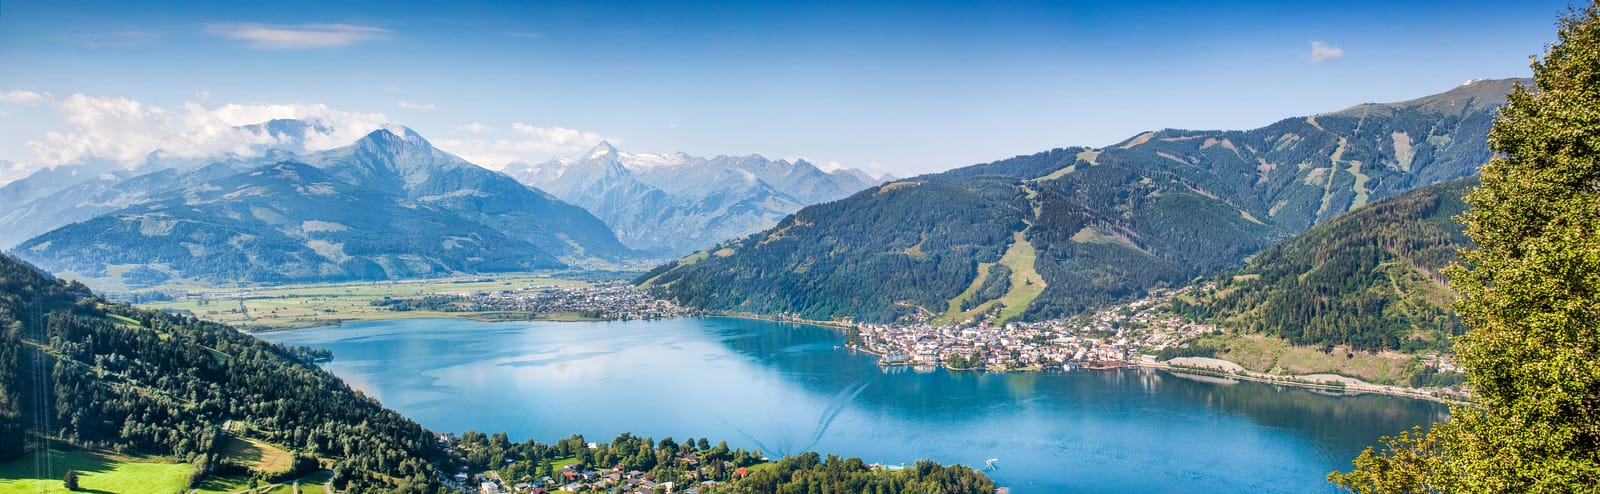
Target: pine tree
point(1530, 294)
point(70, 480)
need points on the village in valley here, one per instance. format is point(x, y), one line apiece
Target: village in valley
point(610, 301)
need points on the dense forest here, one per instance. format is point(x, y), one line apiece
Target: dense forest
point(77, 369)
point(1106, 225)
point(857, 268)
point(1369, 279)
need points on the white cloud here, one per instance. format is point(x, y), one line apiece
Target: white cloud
point(525, 143)
point(127, 131)
point(1321, 52)
point(416, 106)
point(10, 172)
point(475, 128)
point(23, 97)
point(297, 36)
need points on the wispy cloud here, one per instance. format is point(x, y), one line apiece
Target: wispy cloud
point(1321, 52)
point(475, 128)
point(297, 36)
point(524, 143)
point(127, 130)
point(416, 106)
point(23, 97)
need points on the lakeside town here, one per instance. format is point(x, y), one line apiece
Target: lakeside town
point(1143, 333)
point(1116, 337)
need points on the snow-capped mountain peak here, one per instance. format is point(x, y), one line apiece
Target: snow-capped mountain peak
point(601, 151)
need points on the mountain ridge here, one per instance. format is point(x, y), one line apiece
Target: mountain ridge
point(464, 215)
point(1105, 224)
point(672, 203)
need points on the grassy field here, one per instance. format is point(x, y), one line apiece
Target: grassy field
point(1275, 355)
point(256, 454)
point(1026, 285)
point(97, 472)
point(953, 313)
point(320, 304)
point(224, 484)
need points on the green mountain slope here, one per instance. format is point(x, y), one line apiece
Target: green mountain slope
point(285, 222)
point(77, 369)
point(1105, 224)
point(1369, 279)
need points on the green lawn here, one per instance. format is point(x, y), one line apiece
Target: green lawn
point(96, 473)
point(224, 485)
point(562, 463)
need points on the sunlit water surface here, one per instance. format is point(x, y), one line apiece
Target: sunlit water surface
point(785, 388)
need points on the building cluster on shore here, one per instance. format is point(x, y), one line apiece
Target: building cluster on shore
point(1110, 338)
point(569, 479)
point(614, 301)
point(609, 301)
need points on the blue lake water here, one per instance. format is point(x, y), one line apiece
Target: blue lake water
point(786, 388)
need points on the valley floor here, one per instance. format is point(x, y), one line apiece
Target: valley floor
point(320, 304)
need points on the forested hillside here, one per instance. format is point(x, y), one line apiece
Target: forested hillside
point(1079, 227)
point(1369, 279)
point(78, 369)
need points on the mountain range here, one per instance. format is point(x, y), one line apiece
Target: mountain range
point(672, 204)
point(1053, 233)
point(388, 206)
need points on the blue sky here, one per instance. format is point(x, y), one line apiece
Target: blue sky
point(901, 87)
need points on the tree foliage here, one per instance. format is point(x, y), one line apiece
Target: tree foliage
point(1530, 296)
point(75, 368)
point(1367, 278)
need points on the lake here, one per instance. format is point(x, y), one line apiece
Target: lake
point(788, 388)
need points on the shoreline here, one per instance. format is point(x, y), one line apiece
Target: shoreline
point(1345, 386)
point(1351, 387)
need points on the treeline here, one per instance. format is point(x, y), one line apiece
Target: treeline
point(808, 473)
point(77, 369)
point(695, 461)
point(1368, 279)
point(692, 461)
